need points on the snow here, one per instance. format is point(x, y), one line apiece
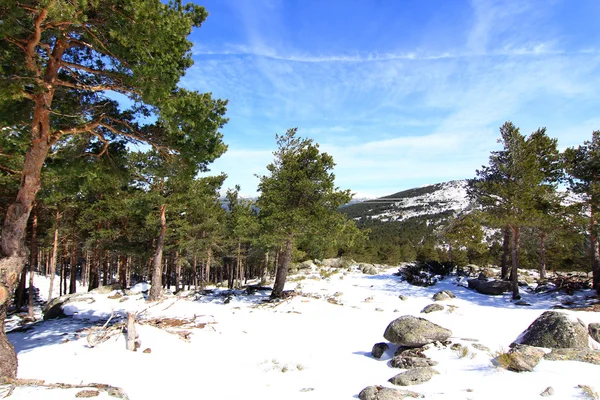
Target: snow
point(306, 347)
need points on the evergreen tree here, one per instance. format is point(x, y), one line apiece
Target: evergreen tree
point(518, 176)
point(583, 167)
point(298, 197)
point(59, 59)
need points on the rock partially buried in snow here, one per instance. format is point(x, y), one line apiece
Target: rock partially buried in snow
point(383, 393)
point(431, 308)
point(493, 288)
point(413, 376)
point(549, 391)
point(412, 331)
point(444, 295)
point(555, 330)
point(521, 358)
point(411, 362)
point(594, 331)
point(583, 355)
point(379, 349)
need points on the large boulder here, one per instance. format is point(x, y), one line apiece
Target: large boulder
point(412, 331)
point(493, 287)
point(383, 393)
point(582, 355)
point(413, 376)
point(56, 307)
point(555, 330)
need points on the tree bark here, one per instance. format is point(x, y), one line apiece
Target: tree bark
point(208, 262)
point(123, 270)
point(73, 269)
point(594, 248)
point(514, 279)
point(177, 272)
point(54, 256)
point(33, 261)
point(263, 279)
point(282, 271)
point(505, 252)
point(156, 289)
point(543, 238)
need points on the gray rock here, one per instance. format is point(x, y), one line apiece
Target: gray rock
point(431, 308)
point(107, 288)
point(444, 295)
point(403, 298)
point(413, 376)
point(412, 331)
point(549, 391)
point(494, 287)
point(481, 347)
point(555, 329)
point(411, 362)
point(383, 393)
point(369, 269)
point(521, 358)
point(55, 308)
point(583, 355)
point(594, 331)
point(410, 352)
point(379, 349)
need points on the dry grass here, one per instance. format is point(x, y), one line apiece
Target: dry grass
point(588, 392)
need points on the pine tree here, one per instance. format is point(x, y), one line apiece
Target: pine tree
point(298, 197)
point(583, 167)
point(518, 176)
point(59, 59)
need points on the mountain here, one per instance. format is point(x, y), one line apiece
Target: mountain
point(432, 202)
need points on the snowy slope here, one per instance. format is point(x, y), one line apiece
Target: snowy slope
point(315, 345)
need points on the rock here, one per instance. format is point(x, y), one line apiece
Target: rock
point(486, 273)
point(369, 269)
point(383, 393)
point(413, 376)
point(107, 288)
point(494, 287)
point(549, 391)
point(431, 308)
point(522, 303)
point(147, 350)
point(521, 358)
point(410, 352)
point(481, 347)
point(87, 394)
point(115, 296)
point(403, 298)
point(411, 362)
point(444, 295)
point(555, 329)
point(379, 349)
point(583, 355)
point(594, 331)
point(412, 331)
point(55, 308)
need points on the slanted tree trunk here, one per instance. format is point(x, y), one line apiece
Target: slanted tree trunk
point(156, 289)
point(505, 252)
point(514, 279)
point(543, 238)
point(54, 256)
point(282, 271)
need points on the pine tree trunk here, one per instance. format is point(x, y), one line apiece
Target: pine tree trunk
point(33, 262)
point(514, 279)
point(20, 293)
point(105, 262)
point(208, 262)
point(177, 272)
point(54, 256)
point(505, 252)
point(93, 270)
point(594, 249)
point(73, 270)
point(282, 271)
point(156, 288)
point(265, 271)
point(543, 238)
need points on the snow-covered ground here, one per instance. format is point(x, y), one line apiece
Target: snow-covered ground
point(316, 345)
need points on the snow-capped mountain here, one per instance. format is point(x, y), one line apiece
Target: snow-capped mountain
point(440, 199)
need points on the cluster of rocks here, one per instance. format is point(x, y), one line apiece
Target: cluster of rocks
point(567, 338)
point(410, 334)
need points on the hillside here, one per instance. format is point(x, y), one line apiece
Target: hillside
point(433, 201)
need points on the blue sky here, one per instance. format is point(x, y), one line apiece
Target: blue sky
point(402, 93)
